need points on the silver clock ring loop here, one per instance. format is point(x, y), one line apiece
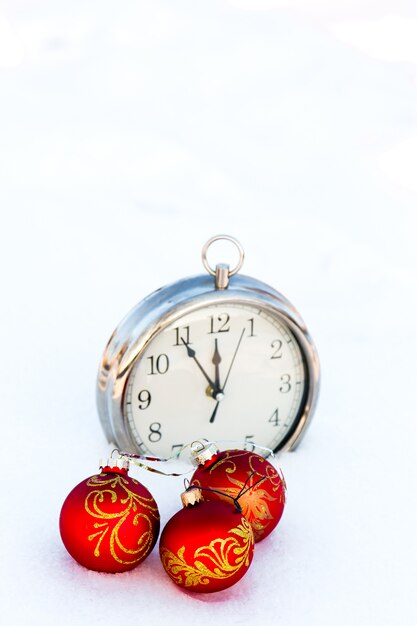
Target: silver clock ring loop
point(237, 267)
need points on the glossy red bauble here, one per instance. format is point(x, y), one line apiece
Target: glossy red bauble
point(206, 547)
point(109, 522)
point(262, 504)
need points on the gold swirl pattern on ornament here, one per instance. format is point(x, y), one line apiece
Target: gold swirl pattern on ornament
point(257, 464)
point(212, 562)
point(255, 502)
point(137, 507)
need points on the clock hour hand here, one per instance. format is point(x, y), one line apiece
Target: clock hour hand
point(213, 415)
point(216, 360)
point(191, 354)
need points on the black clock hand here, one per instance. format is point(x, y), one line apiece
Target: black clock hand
point(213, 416)
point(191, 354)
point(216, 360)
point(234, 356)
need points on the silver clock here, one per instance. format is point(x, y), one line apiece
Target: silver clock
point(219, 356)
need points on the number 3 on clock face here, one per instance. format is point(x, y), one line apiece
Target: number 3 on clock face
point(224, 371)
point(219, 356)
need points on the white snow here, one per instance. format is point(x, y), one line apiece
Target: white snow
point(129, 134)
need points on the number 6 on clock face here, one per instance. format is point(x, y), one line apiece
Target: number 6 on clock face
point(225, 364)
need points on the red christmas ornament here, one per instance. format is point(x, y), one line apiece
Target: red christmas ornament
point(109, 522)
point(207, 546)
point(235, 471)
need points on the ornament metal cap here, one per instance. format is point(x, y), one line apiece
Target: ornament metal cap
point(205, 453)
point(121, 463)
point(191, 496)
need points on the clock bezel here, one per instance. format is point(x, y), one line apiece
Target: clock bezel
point(166, 306)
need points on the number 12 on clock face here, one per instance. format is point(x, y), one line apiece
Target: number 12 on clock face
point(219, 356)
point(227, 371)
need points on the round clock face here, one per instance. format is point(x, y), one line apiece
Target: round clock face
point(223, 372)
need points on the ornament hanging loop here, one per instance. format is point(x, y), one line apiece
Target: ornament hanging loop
point(137, 459)
point(222, 272)
point(235, 499)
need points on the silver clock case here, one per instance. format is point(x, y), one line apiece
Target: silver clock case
point(167, 305)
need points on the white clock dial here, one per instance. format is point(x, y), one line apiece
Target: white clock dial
point(227, 371)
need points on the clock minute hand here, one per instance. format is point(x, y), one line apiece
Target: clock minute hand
point(191, 354)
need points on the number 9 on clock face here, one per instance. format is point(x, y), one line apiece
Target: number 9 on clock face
point(228, 371)
point(220, 356)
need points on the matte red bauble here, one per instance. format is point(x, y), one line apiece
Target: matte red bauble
point(207, 546)
point(109, 522)
point(236, 471)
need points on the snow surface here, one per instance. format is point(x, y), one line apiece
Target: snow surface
point(129, 134)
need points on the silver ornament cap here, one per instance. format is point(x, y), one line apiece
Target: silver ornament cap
point(121, 463)
point(191, 496)
point(205, 453)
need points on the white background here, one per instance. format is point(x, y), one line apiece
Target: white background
point(129, 134)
